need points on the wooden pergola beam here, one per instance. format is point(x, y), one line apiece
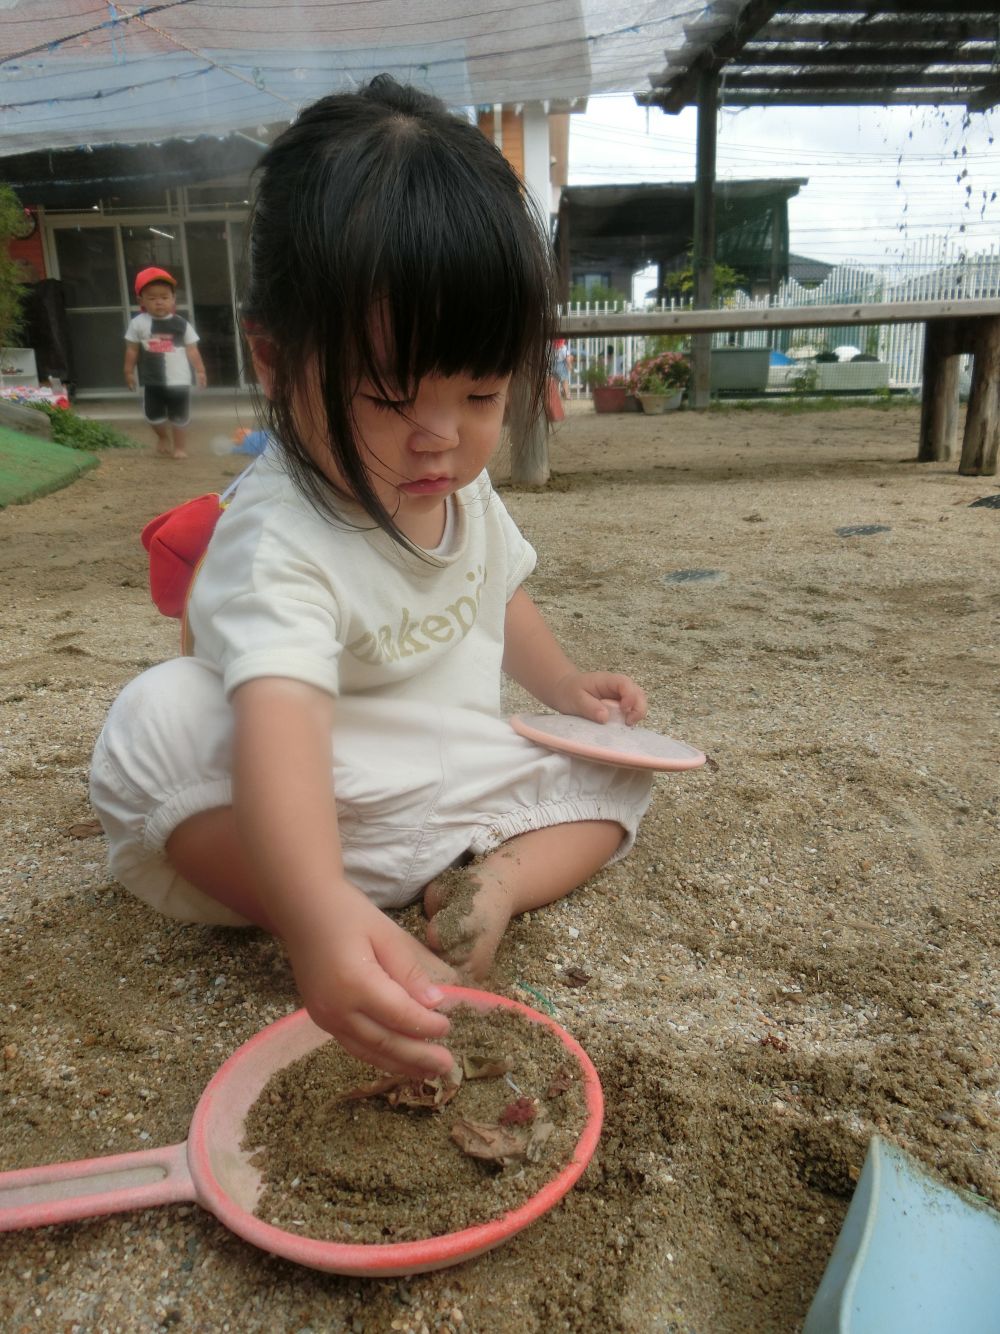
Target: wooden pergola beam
point(898, 44)
point(835, 81)
point(903, 55)
point(902, 10)
point(786, 29)
point(729, 43)
point(851, 97)
point(987, 96)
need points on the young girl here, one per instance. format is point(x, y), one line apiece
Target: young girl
point(334, 744)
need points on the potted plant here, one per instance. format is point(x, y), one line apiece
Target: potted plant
point(607, 391)
point(660, 381)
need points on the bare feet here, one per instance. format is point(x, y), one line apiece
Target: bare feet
point(469, 912)
point(179, 454)
point(470, 906)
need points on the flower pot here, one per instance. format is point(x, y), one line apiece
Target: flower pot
point(632, 403)
point(608, 397)
point(654, 403)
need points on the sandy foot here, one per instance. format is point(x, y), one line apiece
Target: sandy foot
point(468, 916)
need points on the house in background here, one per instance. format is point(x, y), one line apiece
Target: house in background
point(96, 216)
point(808, 272)
point(606, 233)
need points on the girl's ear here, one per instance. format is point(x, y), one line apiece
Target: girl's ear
point(262, 355)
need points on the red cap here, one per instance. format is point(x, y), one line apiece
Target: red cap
point(147, 276)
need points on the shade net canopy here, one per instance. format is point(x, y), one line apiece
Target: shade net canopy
point(88, 72)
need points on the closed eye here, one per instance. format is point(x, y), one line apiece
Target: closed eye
point(388, 404)
point(485, 400)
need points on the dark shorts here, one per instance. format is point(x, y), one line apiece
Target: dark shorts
point(167, 402)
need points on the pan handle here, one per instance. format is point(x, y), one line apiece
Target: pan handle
point(63, 1192)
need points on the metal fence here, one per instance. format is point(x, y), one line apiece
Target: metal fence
point(934, 269)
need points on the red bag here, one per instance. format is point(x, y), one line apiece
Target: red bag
point(554, 411)
point(177, 542)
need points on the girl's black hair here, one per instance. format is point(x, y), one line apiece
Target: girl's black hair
point(383, 201)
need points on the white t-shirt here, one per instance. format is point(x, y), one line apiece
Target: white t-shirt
point(162, 341)
point(287, 591)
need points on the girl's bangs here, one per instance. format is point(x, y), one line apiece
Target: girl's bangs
point(449, 292)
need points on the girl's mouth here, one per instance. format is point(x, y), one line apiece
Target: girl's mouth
point(427, 486)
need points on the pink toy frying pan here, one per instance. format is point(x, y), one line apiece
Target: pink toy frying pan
point(212, 1169)
point(612, 742)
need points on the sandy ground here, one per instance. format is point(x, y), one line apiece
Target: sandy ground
point(801, 951)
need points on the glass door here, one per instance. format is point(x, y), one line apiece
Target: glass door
point(88, 267)
point(97, 266)
point(212, 293)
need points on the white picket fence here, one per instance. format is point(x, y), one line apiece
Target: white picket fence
point(935, 269)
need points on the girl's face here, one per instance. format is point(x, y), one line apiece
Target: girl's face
point(419, 450)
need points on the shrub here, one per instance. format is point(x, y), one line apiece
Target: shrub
point(11, 287)
point(595, 375)
point(76, 432)
point(665, 374)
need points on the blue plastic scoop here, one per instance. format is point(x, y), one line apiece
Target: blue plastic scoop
point(913, 1257)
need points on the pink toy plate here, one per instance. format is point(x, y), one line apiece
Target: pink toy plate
point(612, 742)
point(212, 1168)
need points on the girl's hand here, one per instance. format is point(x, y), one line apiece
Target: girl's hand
point(588, 694)
point(368, 984)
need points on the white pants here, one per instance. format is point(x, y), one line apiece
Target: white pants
point(417, 787)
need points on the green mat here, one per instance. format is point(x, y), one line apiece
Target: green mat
point(31, 467)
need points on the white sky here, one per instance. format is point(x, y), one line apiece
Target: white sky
point(852, 209)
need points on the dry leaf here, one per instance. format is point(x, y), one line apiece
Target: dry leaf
point(538, 1136)
point(86, 829)
point(562, 1079)
point(500, 1144)
point(575, 977)
point(376, 1089)
point(486, 1067)
point(491, 1143)
point(772, 1040)
point(399, 1091)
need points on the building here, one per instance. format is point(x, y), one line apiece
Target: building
point(605, 233)
point(99, 215)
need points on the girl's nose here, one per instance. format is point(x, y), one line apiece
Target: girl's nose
point(436, 428)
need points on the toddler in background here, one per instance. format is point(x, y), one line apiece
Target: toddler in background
point(164, 346)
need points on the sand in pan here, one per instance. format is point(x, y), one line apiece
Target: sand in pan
point(801, 950)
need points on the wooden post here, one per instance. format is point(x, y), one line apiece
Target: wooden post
point(982, 421)
point(939, 396)
point(529, 440)
point(779, 247)
point(562, 258)
point(703, 256)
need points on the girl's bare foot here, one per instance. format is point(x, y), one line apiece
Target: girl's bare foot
point(469, 912)
point(179, 454)
point(470, 906)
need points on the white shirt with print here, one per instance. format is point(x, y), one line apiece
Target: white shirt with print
point(287, 591)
